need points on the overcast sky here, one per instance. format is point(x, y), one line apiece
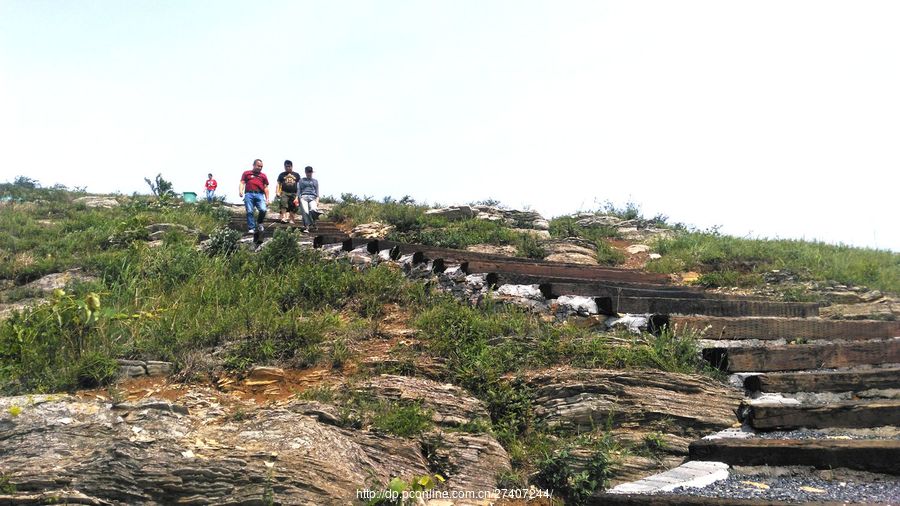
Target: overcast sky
point(769, 118)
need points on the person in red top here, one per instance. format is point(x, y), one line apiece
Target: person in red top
point(254, 189)
point(211, 186)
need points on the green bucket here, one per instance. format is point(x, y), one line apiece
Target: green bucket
point(189, 197)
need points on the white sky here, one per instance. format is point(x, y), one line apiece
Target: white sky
point(770, 118)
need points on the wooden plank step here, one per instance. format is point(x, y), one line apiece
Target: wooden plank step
point(877, 456)
point(797, 357)
point(787, 328)
point(824, 381)
point(574, 286)
point(482, 262)
point(713, 307)
point(850, 414)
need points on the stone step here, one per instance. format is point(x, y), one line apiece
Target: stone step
point(787, 328)
point(825, 381)
point(852, 414)
point(797, 357)
point(877, 456)
point(695, 473)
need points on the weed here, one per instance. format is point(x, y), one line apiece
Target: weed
point(404, 420)
point(576, 476)
point(340, 353)
point(55, 345)
point(321, 393)
point(655, 442)
point(6, 486)
point(529, 246)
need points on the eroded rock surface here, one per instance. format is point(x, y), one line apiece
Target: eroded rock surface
point(529, 220)
point(450, 404)
point(374, 230)
point(584, 399)
point(573, 251)
point(192, 451)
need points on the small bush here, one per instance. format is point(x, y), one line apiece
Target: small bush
point(223, 241)
point(563, 472)
point(282, 251)
point(530, 247)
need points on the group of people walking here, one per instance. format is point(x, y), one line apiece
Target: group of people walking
point(292, 192)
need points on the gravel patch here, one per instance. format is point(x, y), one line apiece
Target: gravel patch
point(888, 432)
point(801, 488)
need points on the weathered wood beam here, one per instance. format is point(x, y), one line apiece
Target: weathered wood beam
point(714, 307)
point(804, 356)
point(824, 381)
point(787, 328)
point(878, 456)
point(854, 414)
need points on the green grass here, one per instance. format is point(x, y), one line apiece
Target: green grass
point(731, 261)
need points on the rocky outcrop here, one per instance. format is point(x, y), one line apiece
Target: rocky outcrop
point(633, 230)
point(452, 213)
point(512, 217)
point(572, 250)
point(138, 368)
point(529, 220)
point(449, 404)
point(157, 231)
point(468, 461)
point(193, 451)
point(43, 286)
point(584, 399)
point(374, 230)
point(56, 280)
point(102, 202)
point(493, 249)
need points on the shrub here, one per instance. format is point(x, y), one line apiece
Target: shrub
point(159, 186)
point(530, 247)
point(282, 251)
point(223, 241)
point(563, 472)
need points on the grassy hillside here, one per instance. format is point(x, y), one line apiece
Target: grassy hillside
point(224, 308)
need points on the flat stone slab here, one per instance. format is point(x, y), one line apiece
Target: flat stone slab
point(695, 474)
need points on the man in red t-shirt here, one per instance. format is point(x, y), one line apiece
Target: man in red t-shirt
point(211, 186)
point(254, 189)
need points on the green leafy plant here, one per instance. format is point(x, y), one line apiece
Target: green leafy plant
point(6, 485)
point(159, 186)
point(401, 492)
point(56, 345)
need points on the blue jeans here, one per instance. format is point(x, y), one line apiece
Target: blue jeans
point(253, 201)
point(210, 195)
